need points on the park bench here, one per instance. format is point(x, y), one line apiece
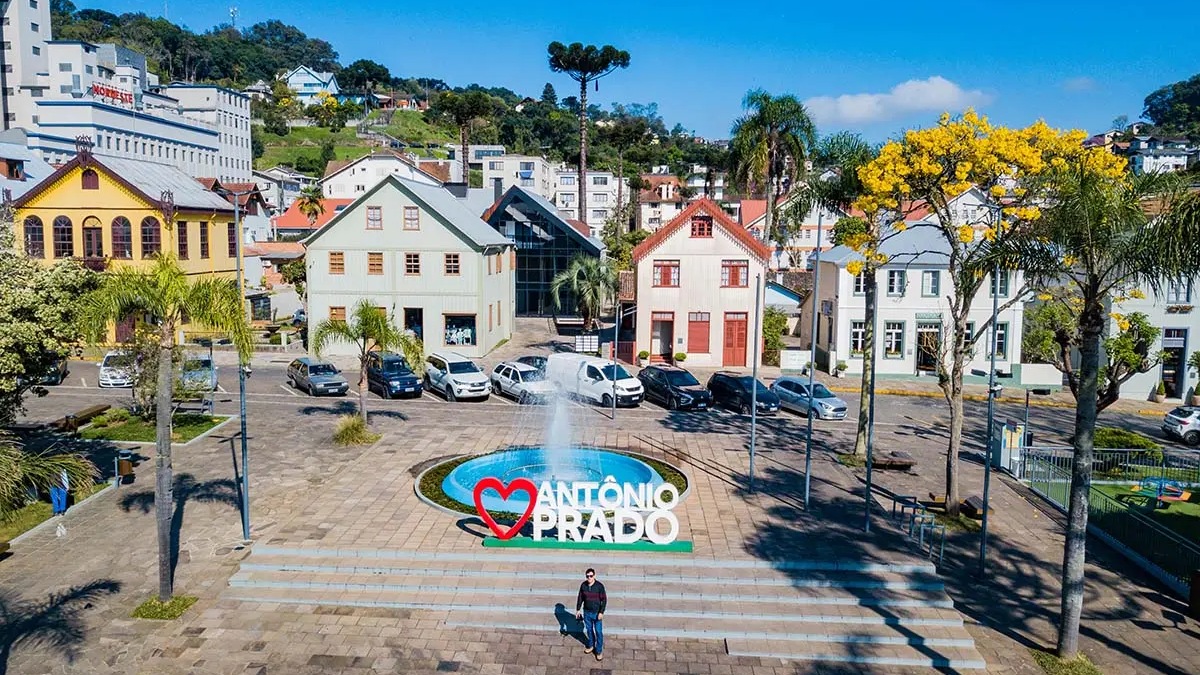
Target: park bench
point(897, 460)
point(972, 507)
point(202, 404)
point(71, 423)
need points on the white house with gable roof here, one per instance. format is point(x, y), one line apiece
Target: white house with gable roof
point(309, 84)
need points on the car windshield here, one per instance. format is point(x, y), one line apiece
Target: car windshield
point(396, 367)
point(819, 391)
point(681, 378)
point(744, 383)
point(461, 367)
point(1183, 413)
point(117, 361)
point(608, 373)
point(532, 375)
point(322, 369)
point(197, 364)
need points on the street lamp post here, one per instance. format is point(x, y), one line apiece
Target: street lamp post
point(616, 344)
point(991, 411)
point(237, 224)
point(754, 376)
point(812, 360)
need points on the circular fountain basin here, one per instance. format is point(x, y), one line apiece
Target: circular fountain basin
point(581, 464)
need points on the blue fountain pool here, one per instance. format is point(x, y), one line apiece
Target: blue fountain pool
point(537, 464)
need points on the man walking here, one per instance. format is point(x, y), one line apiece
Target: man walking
point(58, 494)
point(589, 606)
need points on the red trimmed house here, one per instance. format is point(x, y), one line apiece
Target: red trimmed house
point(695, 288)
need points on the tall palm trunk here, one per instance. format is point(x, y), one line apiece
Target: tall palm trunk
point(362, 388)
point(466, 164)
point(164, 498)
point(1091, 324)
point(868, 374)
point(583, 151)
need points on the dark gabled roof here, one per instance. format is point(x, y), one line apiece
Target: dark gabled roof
point(547, 211)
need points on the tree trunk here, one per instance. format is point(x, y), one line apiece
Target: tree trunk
point(954, 397)
point(770, 190)
point(1091, 324)
point(583, 83)
point(868, 379)
point(164, 498)
point(362, 389)
point(466, 164)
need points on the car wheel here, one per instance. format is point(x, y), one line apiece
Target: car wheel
point(523, 399)
point(496, 388)
point(1192, 437)
point(606, 401)
point(744, 408)
point(672, 403)
point(450, 393)
point(308, 389)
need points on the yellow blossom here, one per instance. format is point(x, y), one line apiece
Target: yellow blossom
point(855, 267)
point(966, 234)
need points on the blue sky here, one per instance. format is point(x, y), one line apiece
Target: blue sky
point(874, 67)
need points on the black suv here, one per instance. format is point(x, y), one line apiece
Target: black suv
point(390, 375)
point(675, 388)
point(733, 391)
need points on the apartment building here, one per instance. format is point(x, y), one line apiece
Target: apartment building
point(604, 196)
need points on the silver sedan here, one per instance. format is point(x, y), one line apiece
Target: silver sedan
point(793, 395)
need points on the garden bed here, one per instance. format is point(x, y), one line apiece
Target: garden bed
point(185, 428)
point(28, 517)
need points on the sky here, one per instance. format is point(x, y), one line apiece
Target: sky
point(868, 66)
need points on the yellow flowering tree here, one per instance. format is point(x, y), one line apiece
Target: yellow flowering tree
point(930, 171)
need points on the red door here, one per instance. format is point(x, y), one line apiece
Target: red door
point(735, 339)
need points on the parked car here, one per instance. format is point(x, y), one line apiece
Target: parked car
point(316, 377)
point(117, 369)
point(675, 388)
point(593, 379)
point(793, 395)
point(1183, 423)
point(389, 375)
point(299, 317)
point(198, 373)
point(523, 382)
point(733, 391)
point(538, 362)
point(455, 376)
point(57, 372)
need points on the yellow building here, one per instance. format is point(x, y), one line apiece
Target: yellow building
point(115, 212)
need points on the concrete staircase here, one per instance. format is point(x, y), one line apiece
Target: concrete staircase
point(871, 614)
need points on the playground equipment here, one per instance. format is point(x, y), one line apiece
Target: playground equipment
point(1165, 491)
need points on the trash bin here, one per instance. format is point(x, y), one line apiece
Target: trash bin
point(70, 424)
point(1194, 600)
point(124, 463)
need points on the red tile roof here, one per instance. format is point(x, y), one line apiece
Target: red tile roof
point(292, 219)
point(752, 210)
point(271, 249)
point(709, 207)
point(580, 226)
point(208, 183)
point(335, 165)
point(654, 181)
point(437, 168)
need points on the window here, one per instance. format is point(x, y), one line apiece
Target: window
point(181, 230)
point(896, 281)
point(64, 237)
point(64, 67)
point(526, 166)
point(453, 268)
point(35, 237)
point(93, 238)
point(412, 263)
point(497, 314)
point(151, 237)
point(412, 218)
point(1002, 341)
point(858, 336)
point(599, 180)
point(931, 283)
point(666, 272)
point(698, 332)
point(702, 226)
point(893, 340)
point(1003, 279)
point(495, 166)
point(599, 214)
point(566, 180)
point(374, 217)
point(970, 331)
point(1179, 292)
point(375, 262)
point(460, 329)
point(337, 313)
point(860, 283)
point(34, 27)
point(90, 179)
point(231, 239)
point(33, 4)
point(337, 262)
point(601, 198)
point(735, 273)
point(490, 317)
point(122, 238)
point(566, 198)
point(203, 240)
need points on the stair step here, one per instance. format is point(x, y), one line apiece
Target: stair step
point(866, 654)
point(638, 592)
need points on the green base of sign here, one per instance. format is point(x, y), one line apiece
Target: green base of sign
point(645, 546)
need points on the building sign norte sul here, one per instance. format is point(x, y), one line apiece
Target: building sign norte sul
point(589, 514)
point(111, 93)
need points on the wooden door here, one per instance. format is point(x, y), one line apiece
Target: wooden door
point(735, 339)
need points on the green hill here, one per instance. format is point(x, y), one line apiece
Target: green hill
point(301, 147)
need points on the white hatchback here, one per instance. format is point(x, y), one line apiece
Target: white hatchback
point(521, 381)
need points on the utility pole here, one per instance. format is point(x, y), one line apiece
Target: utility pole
point(812, 360)
point(754, 377)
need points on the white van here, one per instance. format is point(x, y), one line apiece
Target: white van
point(591, 378)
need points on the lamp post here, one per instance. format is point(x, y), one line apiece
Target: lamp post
point(812, 360)
point(991, 411)
point(616, 344)
point(242, 367)
point(754, 376)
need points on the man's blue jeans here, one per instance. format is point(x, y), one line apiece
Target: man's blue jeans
point(58, 500)
point(593, 629)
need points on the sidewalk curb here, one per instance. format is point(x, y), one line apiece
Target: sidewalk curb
point(1033, 403)
point(53, 520)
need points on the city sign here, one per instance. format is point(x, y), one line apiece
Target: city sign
point(105, 91)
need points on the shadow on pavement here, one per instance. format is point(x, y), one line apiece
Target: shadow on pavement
point(55, 622)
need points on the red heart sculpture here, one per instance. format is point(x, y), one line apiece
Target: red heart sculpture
point(518, 484)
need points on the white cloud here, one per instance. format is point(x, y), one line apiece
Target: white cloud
point(1078, 84)
point(935, 94)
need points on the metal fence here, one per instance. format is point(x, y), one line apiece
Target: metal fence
point(1126, 520)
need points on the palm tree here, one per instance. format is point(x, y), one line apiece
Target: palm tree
point(168, 297)
point(585, 64)
point(311, 203)
point(625, 133)
point(769, 146)
point(464, 110)
point(592, 282)
point(23, 472)
point(1103, 236)
point(369, 329)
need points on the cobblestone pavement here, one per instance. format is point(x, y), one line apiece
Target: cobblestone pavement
point(304, 490)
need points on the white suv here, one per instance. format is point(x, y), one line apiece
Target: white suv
point(455, 376)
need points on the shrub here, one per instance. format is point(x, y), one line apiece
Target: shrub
point(352, 430)
point(118, 415)
point(1162, 389)
point(842, 366)
point(1123, 439)
point(643, 354)
point(681, 357)
point(100, 421)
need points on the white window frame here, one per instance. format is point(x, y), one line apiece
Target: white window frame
point(860, 283)
point(858, 333)
point(931, 283)
point(1005, 282)
point(897, 280)
point(893, 329)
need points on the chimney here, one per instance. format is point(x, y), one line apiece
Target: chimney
point(498, 188)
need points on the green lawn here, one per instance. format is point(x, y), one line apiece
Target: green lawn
point(28, 517)
point(1181, 517)
point(186, 428)
point(406, 125)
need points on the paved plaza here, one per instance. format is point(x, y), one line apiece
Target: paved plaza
point(309, 496)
